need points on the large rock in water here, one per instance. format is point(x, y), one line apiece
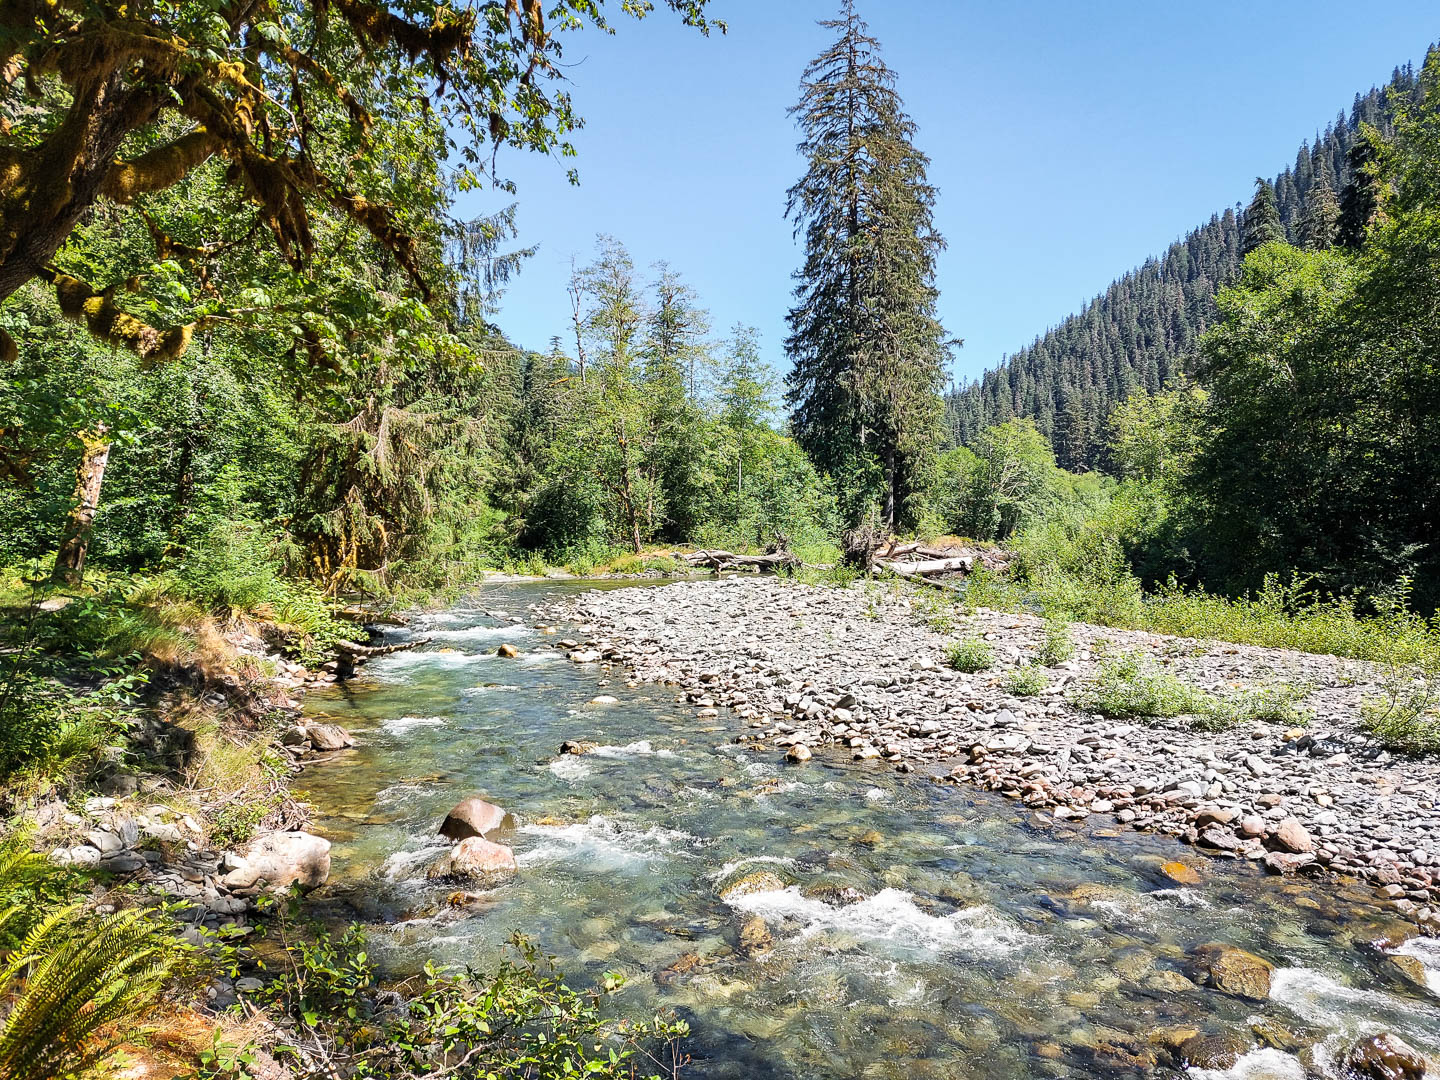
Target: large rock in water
point(474, 857)
point(1385, 1057)
point(328, 736)
point(1231, 971)
point(281, 859)
point(475, 817)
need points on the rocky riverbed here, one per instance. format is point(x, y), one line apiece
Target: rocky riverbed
point(861, 671)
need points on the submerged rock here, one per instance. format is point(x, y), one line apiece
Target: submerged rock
point(1385, 1057)
point(475, 817)
point(756, 881)
point(755, 935)
point(577, 746)
point(1231, 970)
point(281, 859)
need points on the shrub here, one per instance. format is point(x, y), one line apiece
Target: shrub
point(970, 655)
point(1406, 717)
point(1026, 681)
point(1126, 688)
point(1057, 646)
point(521, 1020)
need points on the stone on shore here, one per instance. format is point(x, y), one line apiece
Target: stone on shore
point(280, 859)
point(1292, 837)
point(475, 817)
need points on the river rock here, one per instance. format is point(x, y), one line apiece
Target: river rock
point(475, 817)
point(328, 736)
point(1213, 1051)
point(474, 857)
point(280, 859)
point(1385, 1057)
point(1231, 970)
point(1181, 874)
point(1410, 969)
point(574, 746)
point(799, 752)
point(754, 882)
point(1290, 836)
point(755, 935)
point(508, 651)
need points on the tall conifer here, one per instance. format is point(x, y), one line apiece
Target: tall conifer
point(1262, 218)
point(865, 342)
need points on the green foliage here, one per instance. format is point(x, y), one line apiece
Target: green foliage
point(68, 975)
point(1026, 680)
point(1128, 688)
point(1057, 646)
point(1406, 716)
point(970, 655)
point(520, 1020)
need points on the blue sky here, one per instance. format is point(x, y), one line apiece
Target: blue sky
point(1068, 142)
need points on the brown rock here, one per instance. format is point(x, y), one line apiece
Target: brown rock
point(1180, 873)
point(328, 736)
point(508, 651)
point(1385, 1057)
point(475, 817)
point(755, 935)
point(1215, 815)
point(572, 746)
point(1290, 836)
point(1231, 971)
point(1213, 1051)
point(798, 753)
point(1410, 969)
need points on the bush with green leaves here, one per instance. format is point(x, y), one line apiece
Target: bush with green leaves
point(521, 1020)
point(970, 655)
point(1406, 715)
point(1026, 681)
point(1057, 646)
point(1129, 688)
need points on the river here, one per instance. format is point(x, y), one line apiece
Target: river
point(917, 929)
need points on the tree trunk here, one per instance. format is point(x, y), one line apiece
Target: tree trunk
point(75, 539)
point(891, 480)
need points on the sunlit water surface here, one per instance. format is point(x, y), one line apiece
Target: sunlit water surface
point(981, 943)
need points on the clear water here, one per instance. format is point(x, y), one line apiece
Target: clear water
point(919, 929)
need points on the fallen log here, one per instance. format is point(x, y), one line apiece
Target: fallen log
point(959, 564)
point(899, 571)
point(728, 560)
point(357, 613)
point(352, 648)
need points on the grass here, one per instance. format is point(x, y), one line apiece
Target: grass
point(970, 656)
point(1026, 681)
point(1057, 646)
point(1129, 688)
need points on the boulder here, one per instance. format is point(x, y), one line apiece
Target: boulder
point(798, 752)
point(1181, 874)
point(328, 736)
point(1231, 971)
point(576, 746)
point(474, 857)
point(754, 882)
point(281, 859)
point(755, 935)
point(475, 817)
point(508, 651)
point(1290, 836)
point(1385, 1057)
point(1213, 1051)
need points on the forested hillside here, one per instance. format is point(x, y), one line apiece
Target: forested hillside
point(1144, 329)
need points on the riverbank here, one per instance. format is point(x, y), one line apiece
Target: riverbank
point(862, 671)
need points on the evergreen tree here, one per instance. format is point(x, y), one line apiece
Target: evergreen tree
point(1360, 202)
point(1262, 218)
point(1321, 219)
point(864, 338)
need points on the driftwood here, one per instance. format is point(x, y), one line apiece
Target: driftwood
point(903, 571)
point(728, 560)
point(351, 648)
point(357, 613)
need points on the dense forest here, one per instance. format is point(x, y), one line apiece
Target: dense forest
point(1145, 329)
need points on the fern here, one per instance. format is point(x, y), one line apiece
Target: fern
point(70, 978)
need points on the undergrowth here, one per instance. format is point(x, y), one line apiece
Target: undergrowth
point(970, 655)
point(1130, 688)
